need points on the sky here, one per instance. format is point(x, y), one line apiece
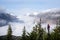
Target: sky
point(28, 5)
point(23, 8)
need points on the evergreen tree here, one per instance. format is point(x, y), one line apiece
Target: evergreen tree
point(33, 34)
point(37, 33)
point(56, 34)
point(9, 33)
point(40, 31)
point(24, 34)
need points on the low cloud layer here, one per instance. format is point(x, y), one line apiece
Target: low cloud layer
point(5, 18)
point(50, 15)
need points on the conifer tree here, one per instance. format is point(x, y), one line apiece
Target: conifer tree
point(40, 31)
point(55, 35)
point(9, 33)
point(33, 34)
point(24, 34)
point(37, 33)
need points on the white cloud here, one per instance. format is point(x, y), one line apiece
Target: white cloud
point(53, 13)
point(29, 22)
point(35, 13)
point(3, 30)
point(17, 27)
point(46, 11)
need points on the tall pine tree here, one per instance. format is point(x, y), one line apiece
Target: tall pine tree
point(37, 33)
point(9, 33)
point(24, 34)
point(40, 31)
